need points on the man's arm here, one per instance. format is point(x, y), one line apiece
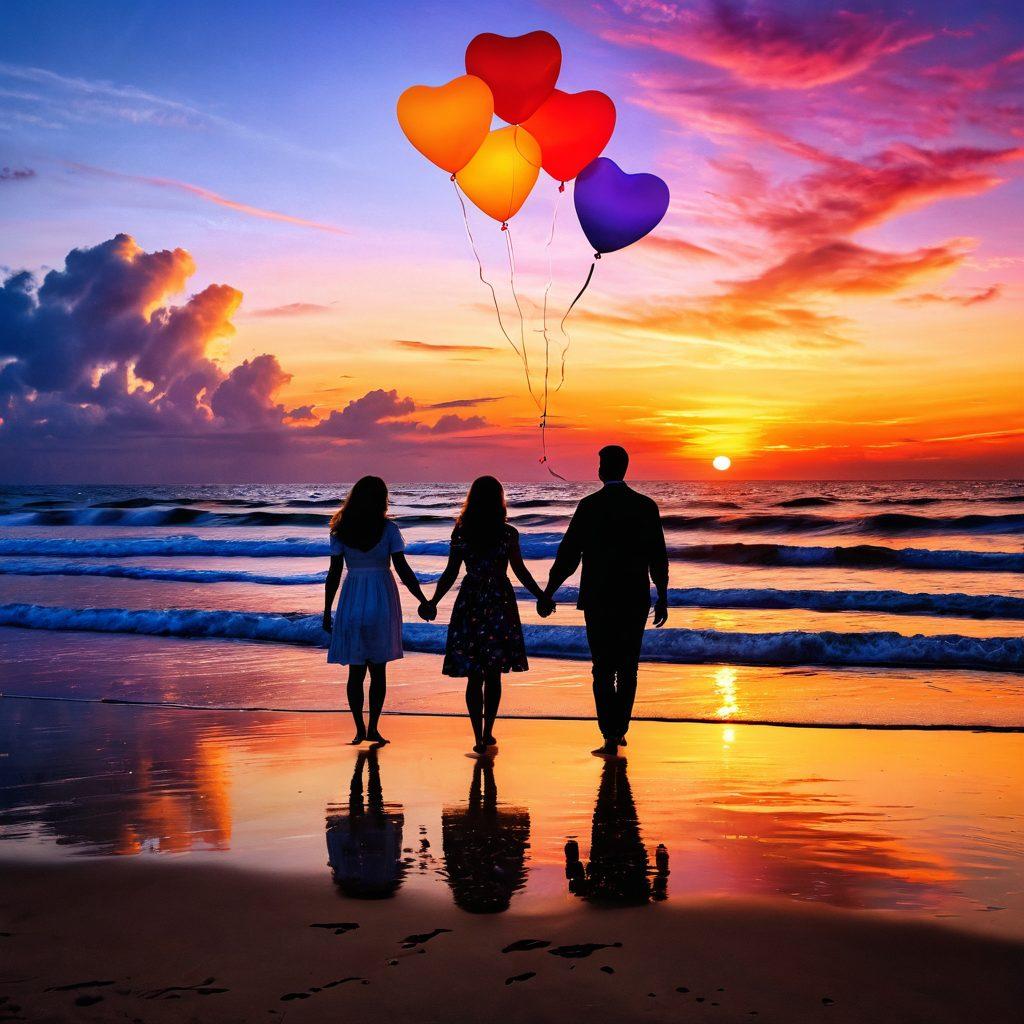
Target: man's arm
point(658, 568)
point(570, 551)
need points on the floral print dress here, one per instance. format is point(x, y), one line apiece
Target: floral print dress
point(485, 634)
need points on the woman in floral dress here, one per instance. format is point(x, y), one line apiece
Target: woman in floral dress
point(485, 636)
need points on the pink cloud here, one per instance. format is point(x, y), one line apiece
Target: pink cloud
point(763, 46)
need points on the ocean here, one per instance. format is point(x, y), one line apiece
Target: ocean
point(806, 603)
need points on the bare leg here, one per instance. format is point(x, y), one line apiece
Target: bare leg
point(378, 691)
point(492, 701)
point(356, 675)
point(475, 707)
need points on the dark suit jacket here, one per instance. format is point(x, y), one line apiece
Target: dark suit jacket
point(616, 532)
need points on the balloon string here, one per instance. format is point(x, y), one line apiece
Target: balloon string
point(480, 270)
point(522, 321)
point(547, 345)
point(561, 326)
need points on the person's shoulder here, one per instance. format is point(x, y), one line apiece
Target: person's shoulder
point(511, 532)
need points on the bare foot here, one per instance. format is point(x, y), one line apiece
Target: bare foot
point(622, 741)
point(490, 741)
point(374, 736)
point(607, 749)
point(479, 748)
point(360, 737)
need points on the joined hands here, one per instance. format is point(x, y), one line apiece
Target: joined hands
point(545, 606)
point(427, 611)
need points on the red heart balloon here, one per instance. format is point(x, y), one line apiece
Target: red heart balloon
point(521, 70)
point(572, 129)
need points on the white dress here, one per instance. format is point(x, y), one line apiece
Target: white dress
point(368, 622)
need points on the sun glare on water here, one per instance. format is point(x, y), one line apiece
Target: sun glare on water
point(721, 462)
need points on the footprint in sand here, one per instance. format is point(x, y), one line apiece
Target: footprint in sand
point(410, 941)
point(521, 977)
point(582, 949)
point(73, 986)
point(338, 927)
point(608, 970)
point(88, 1000)
point(174, 991)
point(525, 945)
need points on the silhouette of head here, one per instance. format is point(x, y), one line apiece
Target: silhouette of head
point(483, 515)
point(360, 521)
point(614, 462)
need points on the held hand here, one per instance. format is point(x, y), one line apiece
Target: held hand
point(545, 606)
point(660, 614)
point(328, 627)
point(427, 611)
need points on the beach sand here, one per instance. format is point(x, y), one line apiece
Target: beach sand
point(172, 865)
point(144, 942)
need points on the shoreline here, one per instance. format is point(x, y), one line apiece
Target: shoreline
point(662, 720)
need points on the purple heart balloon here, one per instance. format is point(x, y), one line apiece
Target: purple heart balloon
point(617, 209)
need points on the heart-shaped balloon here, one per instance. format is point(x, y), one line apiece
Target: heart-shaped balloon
point(447, 123)
point(520, 70)
point(502, 172)
point(617, 209)
point(572, 129)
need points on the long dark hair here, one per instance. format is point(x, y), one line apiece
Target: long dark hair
point(482, 519)
point(361, 520)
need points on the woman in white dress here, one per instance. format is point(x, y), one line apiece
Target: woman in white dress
point(367, 630)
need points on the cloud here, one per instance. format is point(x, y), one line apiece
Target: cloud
point(464, 403)
point(95, 347)
point(16, 174)
point(433, 346)
point(377, 413)
point(677, 247)
point(762, 46)
point(975, 298)
point(291, 309)
point(212, 197)
point(452, 423)
point(843, 268)
point(846, 196)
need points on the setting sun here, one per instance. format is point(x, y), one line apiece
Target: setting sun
point(721, 462)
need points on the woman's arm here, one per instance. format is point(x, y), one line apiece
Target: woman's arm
point(331, 587)
point(515, 559)
point(448, 577)
point(407, 576)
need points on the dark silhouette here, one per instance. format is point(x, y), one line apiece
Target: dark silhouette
point(485, 636)
point(364, 843)
point(619, 873)
point(617, 534)
point(367, 631)
point(485, 846)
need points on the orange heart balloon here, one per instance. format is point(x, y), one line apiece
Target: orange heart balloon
point(502, 172)
point(447, 123)
point(572, 129)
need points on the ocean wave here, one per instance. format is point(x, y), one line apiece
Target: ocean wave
point(887, 602)
point(534, 545)
point(885, 523)
point(679, 646)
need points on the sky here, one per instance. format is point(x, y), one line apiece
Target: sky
point(221, 261)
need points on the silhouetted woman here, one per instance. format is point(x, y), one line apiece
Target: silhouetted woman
point(485, 846)
point(364, 845)
point(367, 630)
point(485, 636)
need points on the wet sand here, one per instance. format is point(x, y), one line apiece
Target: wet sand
point(142, 941)
point(166, 864)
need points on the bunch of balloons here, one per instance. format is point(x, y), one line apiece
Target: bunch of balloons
point(496, 168)
point(563, 133)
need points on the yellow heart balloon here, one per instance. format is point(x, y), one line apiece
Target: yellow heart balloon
point(502, 172)
point(447, 123)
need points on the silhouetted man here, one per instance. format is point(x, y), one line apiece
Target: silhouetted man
point(617, 534)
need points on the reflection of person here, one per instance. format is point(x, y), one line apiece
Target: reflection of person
point(485, 847)
point(367, 631)
point(485, 636)
point(619, 872)
point(364, 846)
point(617, 534)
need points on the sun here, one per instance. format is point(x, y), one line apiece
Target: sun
point(721, 462)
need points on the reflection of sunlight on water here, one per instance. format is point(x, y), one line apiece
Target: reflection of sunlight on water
point(728, 738)
point(725, 686)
